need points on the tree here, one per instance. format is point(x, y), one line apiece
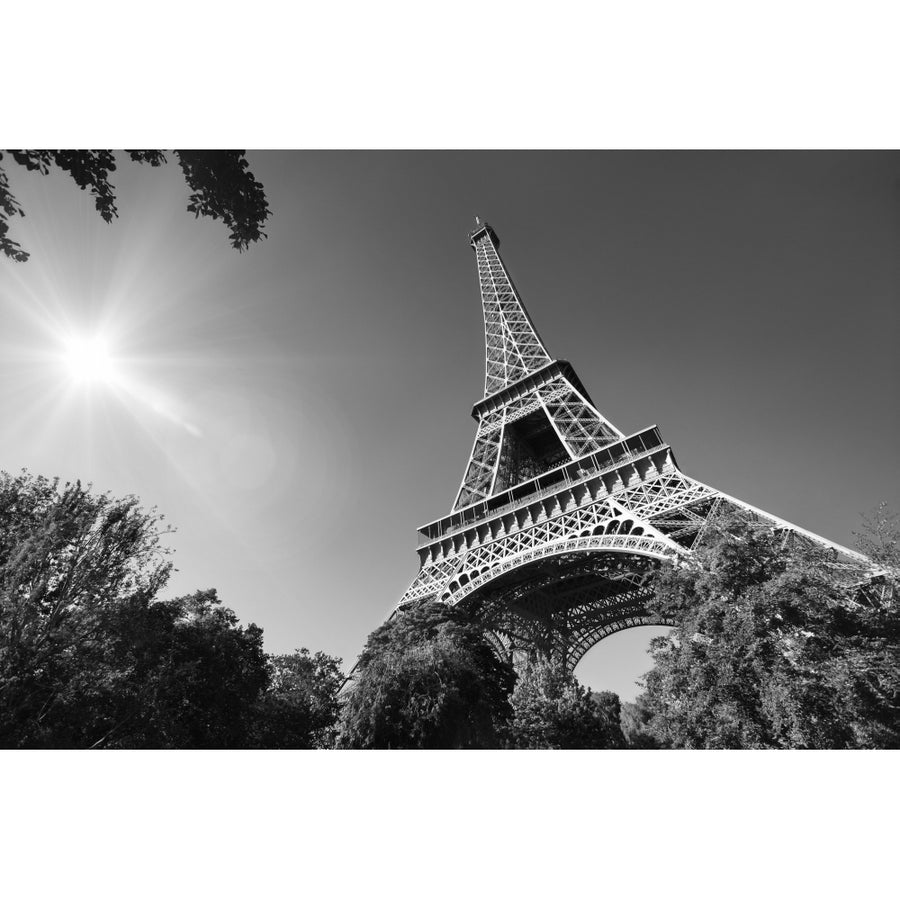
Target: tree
point(551, 710)
point(88, 656)
point(609, 702)
point(221, 183)
point(635, 719)
point(774, 647)
point(300, 708)
point(67, 559)
point(427, 678)
point(179, 673)
point(879, 538)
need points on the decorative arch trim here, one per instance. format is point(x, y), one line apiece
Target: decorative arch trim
point(626, 544)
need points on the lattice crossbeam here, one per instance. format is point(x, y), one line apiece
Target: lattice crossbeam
point(513, 348)
point(581, 430)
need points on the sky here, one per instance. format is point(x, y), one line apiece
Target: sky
point(297, 410)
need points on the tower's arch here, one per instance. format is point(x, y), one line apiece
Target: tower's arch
point(563, 601)
point(614, 544)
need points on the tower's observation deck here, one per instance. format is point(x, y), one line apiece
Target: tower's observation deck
point(610, 469)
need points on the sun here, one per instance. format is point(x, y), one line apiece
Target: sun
point(87, 360)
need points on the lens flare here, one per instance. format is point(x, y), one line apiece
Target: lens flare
point(87, 362)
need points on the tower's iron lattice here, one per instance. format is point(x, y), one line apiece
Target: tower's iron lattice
point(560, 516)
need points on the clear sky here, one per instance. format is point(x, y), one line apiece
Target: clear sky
point(299, 409)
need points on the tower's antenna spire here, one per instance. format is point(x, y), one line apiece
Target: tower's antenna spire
point(513, 348)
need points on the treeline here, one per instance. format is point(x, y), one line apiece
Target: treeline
point(91, 657)
point(774, 647)
point(428, 679)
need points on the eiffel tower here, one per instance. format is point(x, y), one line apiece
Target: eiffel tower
point(560, 518)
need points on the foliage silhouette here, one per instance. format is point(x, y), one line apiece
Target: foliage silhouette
point(426, 679)
point(221, 183)
point(300, 707)
point(635, 720)
point(67, 560)
point(774, 648)
point(879, 538)
point(174, 674)
point(551, 710)
point(89, 657)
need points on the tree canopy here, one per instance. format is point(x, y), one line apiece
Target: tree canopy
point(172, 674)
point(879, 537)
point(300, 707)
point(635, 720)
point(552, 711)
point(427, 678)
point(68, 559)
point(221, 183)
point(774, 647)
point(91, 657)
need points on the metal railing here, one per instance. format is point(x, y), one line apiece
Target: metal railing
point(565, 483)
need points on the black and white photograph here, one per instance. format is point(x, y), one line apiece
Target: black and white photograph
point(219, 468)
point(404, 438)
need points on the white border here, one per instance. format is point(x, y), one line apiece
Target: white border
point(478, 824)
point(472, 74)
